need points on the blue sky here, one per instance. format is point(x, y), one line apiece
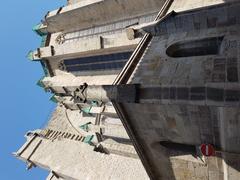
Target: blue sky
point(24, 106)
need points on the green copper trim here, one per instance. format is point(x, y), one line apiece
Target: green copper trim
point(40, 83)
point(94, 103)
point(53, 99)
point(30, 55)
point(38, 30)
point(43, 41)
point(44, 67)
point(85, 126)
point(88, 139)
point(87, 109)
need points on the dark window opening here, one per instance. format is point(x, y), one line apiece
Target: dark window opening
point(98, 59)
point(202, 47)
point(232, 95)
point(232, 74)
point(47, 68)
point(95, 67)
point(48, 40)
point(232, 70)
point(215, 94)
point(172, 146)
point(97, 63)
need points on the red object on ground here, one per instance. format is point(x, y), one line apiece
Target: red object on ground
point(207, 150)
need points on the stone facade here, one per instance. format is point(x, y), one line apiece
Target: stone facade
point(86, 44)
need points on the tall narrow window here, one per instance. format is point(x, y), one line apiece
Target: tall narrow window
point(97, 63)
point(202, 47)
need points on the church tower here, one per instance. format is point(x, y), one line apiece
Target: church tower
point(141, 87)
